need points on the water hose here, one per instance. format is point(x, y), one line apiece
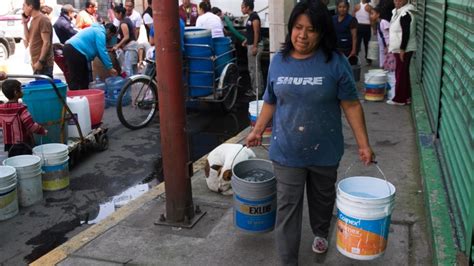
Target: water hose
point(233, 30)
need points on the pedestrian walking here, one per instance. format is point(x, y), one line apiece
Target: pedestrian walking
point(82, 48)
point(254, 47)
point(38, 38)
point(364, 30)
point(309, 84)
point(345, 26)
point(402, 45)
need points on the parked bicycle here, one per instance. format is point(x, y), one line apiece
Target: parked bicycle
point(138, 104)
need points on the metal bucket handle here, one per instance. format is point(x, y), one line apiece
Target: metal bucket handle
point(375, 163)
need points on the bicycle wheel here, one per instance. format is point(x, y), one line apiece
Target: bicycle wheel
point(137, 103)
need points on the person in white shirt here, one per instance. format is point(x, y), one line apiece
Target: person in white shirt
point(208, 20)
point(133, 15)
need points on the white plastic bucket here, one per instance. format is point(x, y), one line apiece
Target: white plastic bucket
point(8, 193)
point(55, 166)
point(28, 169)
point(255, 108)
point(373, 50)
point(254, 200)
point(364, 206)
point(375, 85)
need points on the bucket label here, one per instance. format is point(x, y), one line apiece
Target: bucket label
point(8, 198)
point(362, 237)
point(255, 216)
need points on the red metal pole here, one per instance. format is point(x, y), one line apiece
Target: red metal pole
point(174, 146)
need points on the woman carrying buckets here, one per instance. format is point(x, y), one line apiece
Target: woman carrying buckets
point(309, 82)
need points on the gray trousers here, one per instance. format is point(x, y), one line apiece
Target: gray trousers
point(255, 69)
point(321, 195)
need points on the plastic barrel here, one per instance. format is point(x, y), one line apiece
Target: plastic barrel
point(55, 165)
point(364, 205)
point(201, 76)
point(46, 108)
point(96, 103)
point(222, 45)
point(28, 170)
point(8, 193)
point(254, 186)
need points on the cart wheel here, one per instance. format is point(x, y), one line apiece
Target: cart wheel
point(103, 142)
point(229, 82)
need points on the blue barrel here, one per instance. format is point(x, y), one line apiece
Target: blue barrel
point(201, 78)
point(222, 45)
point(46, 108)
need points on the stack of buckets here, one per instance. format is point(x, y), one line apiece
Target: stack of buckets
point(8, 192)
point(375, 85)
point(55, 157)
point(255, 108)
point(28, 171)
point(364, 206)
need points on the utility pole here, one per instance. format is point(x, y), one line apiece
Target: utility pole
point(174, 145)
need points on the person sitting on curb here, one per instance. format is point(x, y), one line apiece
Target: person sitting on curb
point(17, 124)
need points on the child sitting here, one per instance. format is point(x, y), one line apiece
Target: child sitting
point(17, 123)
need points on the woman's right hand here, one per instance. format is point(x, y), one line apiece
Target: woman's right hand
point(253, 139)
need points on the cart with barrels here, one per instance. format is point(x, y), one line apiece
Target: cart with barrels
point(210, 74)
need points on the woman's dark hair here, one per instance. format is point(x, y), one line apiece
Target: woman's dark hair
point(321, 20)
point(216, 10)
point(248, 3)
point(36, 4)
point(110, 27)
point(10, 87)
point(205, 6)
point(120, 9)
point(386, 7)
point(90, 4)
point(342, 1)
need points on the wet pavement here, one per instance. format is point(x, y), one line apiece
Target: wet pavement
point(102, 182)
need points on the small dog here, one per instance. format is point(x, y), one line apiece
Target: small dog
point(219, 163)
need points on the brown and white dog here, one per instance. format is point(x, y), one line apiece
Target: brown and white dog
point(219, 163)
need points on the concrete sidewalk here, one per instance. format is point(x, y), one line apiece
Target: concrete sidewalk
point(130, 236)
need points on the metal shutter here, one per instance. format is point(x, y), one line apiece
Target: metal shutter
point(456, 124)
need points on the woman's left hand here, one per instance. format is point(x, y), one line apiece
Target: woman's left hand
point(353, 53)
point(402, 55)
point(366, 155)
point(254, 50)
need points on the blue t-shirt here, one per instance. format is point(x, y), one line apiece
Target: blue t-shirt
point(307, 127)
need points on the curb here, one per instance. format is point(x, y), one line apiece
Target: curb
point(436, 201)
point(61, 252)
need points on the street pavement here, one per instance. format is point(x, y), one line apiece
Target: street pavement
point(130, 236)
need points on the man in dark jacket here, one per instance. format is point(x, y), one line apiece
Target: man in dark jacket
point(64, 27)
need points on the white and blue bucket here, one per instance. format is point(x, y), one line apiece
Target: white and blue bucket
point(28, 170)
point(364, 208)
point(8, 193)
point(254, 186)
point(55, 157)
